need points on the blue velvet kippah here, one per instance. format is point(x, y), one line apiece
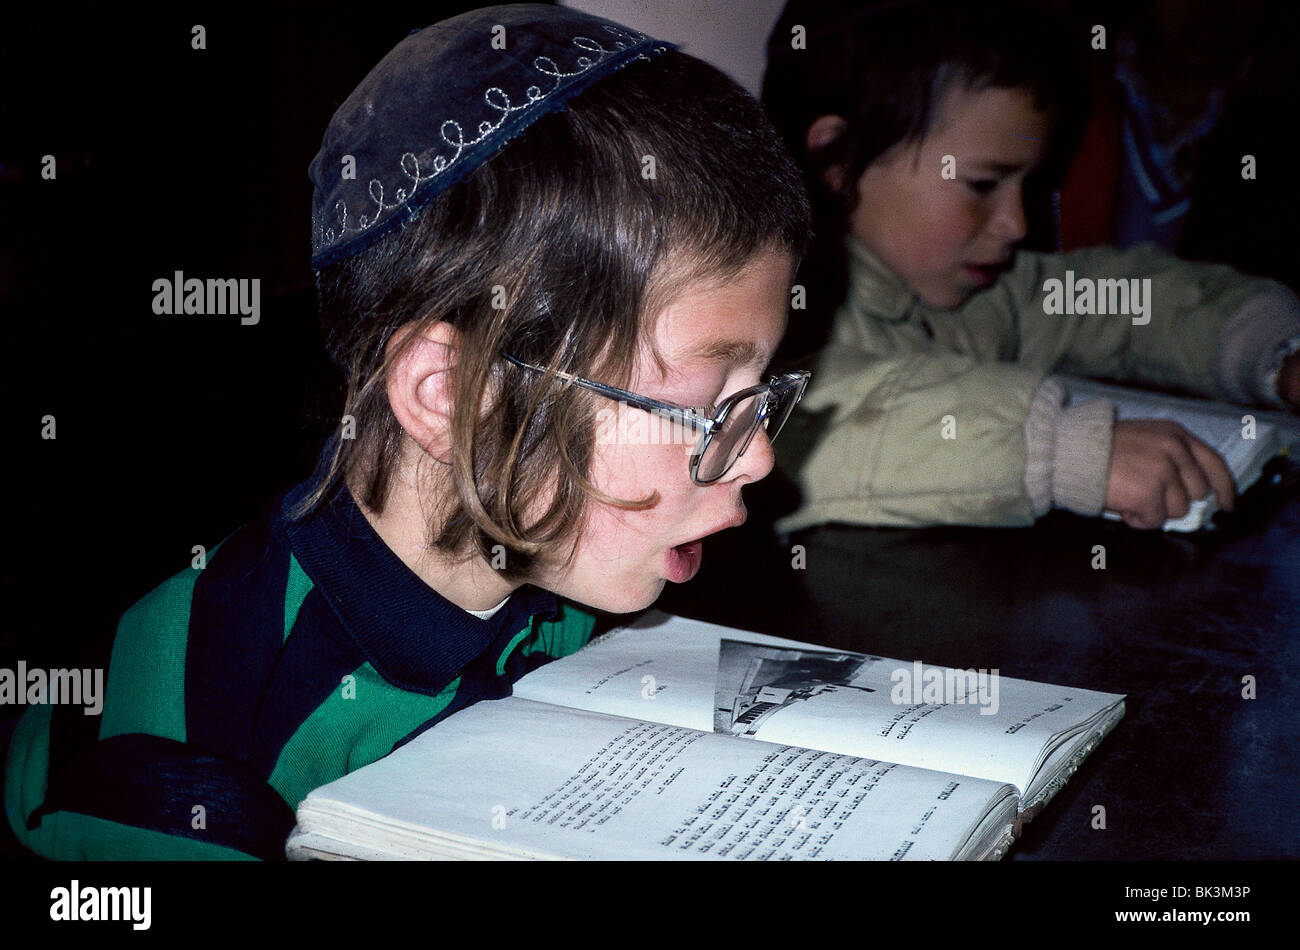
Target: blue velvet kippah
point(445, 100)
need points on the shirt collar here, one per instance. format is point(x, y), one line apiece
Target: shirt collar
point(412, 635)
point(874, 290)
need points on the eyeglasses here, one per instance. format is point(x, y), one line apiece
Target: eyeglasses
point(727, 432)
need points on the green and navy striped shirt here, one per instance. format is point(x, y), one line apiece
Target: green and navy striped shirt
point(301, 651)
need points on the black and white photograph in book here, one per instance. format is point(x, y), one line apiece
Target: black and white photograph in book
point(754, 682)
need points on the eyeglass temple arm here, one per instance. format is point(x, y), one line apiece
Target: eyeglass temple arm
point(683, 414)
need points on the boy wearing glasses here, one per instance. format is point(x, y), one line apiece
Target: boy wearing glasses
point(489, 280)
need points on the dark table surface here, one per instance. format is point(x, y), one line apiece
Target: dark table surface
point(1193, 771)
point(1175, 621)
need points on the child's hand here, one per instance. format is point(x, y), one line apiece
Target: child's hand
point(1158, 468)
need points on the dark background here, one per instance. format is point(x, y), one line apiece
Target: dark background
point(171, 430)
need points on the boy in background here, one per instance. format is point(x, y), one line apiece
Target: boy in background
point(919, 126)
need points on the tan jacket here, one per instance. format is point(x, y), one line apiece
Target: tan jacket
point(945, 416)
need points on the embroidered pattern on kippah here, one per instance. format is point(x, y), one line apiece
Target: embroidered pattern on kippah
point(453, 135)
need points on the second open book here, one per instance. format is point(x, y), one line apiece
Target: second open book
point(1245, 438)
point(670, 738)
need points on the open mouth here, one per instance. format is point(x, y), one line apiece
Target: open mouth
point(984, 273)
point(684, 561)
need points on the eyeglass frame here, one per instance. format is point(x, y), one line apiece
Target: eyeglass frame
point(689, 416)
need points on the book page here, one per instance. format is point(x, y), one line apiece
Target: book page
point(1286, 424)
point(1244, 448)
point(703, 676)
point(515, 778)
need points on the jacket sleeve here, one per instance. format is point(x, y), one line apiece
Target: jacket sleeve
point(916, 439)
point(1203, 328)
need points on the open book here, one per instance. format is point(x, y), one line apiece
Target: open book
point(1244, 447)
point(676, 739)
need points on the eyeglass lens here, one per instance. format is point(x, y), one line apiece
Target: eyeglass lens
point(737, 430)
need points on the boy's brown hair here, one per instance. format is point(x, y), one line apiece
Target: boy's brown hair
point(587, 225)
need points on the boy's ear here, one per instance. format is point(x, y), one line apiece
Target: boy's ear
point(825, 130)
point(420, 389)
